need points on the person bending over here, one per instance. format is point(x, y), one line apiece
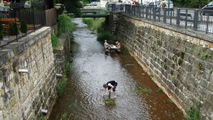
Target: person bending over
point(110, 86)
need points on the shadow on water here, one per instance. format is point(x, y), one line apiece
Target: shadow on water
point(138, 97)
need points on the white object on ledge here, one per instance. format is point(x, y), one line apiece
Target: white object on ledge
point(44, 111)
point(58, 75)
point(23, 70)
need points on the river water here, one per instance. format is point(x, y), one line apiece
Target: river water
point(82, 99)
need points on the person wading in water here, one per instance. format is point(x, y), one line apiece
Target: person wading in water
point(110, 86)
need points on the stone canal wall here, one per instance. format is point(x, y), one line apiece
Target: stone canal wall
point(178, 60)
point(27, 77)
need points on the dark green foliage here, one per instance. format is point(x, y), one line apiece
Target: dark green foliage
point(102, 27)
point(86, 1)
point(99, 25)
point(72, 39)
point(65, 24)
point(1, 27)
point(193, 113)
point(88, 22)
point(23, 27)
point(109, 101)
point(159, 90)
point(206, 55)
point(190, 3)
point(103, 36)
point(68, 68)
point(96, 25)
point(73, 6)
point(54, 40)
point(1, 35)
point(106, 36)
point(124, 49)
point(13, 29)
point(61, 86)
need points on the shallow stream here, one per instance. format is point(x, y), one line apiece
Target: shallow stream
point(82, 99)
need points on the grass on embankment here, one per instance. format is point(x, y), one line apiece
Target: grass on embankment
point(95, 25)
point(99, 26)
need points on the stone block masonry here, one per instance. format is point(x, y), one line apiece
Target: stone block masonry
point(179, 61)
point(27, 76)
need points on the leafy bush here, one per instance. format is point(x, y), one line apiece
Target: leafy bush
point(88, 22)
point(94, 24)
point(1, 35)
point(13, 29)
point(1, 27)
point(103, 36)
point(65, 24)
point(23, 27)
point(106, 36)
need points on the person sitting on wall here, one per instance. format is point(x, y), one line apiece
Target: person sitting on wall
point(118, 45)
point(115, 47)
point(107, 46)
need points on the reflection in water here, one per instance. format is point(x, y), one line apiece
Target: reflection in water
point(82, 99)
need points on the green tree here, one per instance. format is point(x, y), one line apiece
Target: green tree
point(1, 29)
point(23, 27)
point(190, 3)
point(73, 6)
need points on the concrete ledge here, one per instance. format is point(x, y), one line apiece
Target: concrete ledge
point(204, 39)
point(11, 50)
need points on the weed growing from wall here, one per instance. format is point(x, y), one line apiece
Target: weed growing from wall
point(61, 86)
point(193, 113)
point(124, 49)
point(54, 40)
point(68, 68)
point(171, 101)
point(206, 55)
point(159, 90)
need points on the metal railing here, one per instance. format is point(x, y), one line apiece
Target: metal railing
point(184, 18)
point(35, 18)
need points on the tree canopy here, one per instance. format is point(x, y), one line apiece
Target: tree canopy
point(190, 3)
point(72, 6)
